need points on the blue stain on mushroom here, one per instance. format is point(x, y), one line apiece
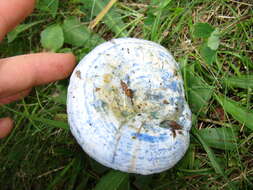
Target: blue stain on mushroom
point(150, 96)
point(149, 138)
point(126, 106)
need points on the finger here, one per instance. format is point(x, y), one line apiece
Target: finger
point(12, 98)
point(6, 125)
point(13, 12)
point(23, 72)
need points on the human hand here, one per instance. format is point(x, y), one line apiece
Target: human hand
point(20, 73)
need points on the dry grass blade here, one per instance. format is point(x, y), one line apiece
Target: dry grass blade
point(101, 15)
point(49, 172)
point(242, 3)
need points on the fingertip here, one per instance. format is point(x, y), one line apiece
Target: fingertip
point(6, 125)
point(71, 57)
point(68, 64)
point(34, 69)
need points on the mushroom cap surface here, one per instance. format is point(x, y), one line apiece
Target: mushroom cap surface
point(126, 106)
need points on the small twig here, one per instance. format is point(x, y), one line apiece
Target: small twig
point(238, 21)
point(138, 5)
point(242, 175)
point(101, 15)
point(226, 17)
point(215, 122)
point(49, 172)
point(247, 139)
point(242, 3)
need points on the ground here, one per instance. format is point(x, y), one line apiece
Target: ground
point(213, 42)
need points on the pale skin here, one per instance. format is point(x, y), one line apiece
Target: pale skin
point(20, 73)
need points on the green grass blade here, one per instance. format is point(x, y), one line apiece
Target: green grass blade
point(60, 176)
point(53, 123)
point(19, 29)
point(243, 81)
point(204, 171)
point(218, 169)
point(198, 92)
point(214, 162)
point(155, 31)
point(222, 138)
point(77, 167)
point(112, 181)
point(239, 113)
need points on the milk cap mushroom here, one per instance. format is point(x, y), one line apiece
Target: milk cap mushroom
point(126, 106)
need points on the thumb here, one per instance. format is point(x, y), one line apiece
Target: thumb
point(6, 125)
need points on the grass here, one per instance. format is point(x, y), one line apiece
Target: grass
point(42, 154)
